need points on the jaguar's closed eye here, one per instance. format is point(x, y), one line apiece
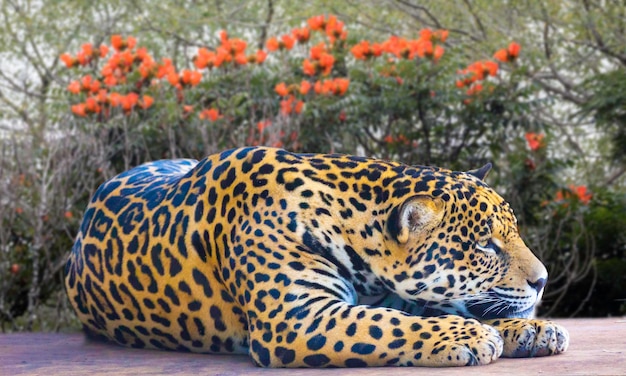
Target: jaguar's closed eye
point(487, 246)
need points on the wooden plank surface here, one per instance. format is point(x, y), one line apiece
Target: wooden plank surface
point(598, 347)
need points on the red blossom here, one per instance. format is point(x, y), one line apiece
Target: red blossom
point(535, 140)
point(212, 114)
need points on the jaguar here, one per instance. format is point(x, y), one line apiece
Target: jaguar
point(309, 260)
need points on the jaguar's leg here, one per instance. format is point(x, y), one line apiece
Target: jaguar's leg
point(303, 316)
point(525, 338)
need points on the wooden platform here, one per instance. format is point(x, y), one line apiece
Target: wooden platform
point(598, 347)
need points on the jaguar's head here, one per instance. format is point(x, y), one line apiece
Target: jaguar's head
point(456, 247)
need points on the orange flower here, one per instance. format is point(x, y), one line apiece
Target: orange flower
point(440, 36)
point(147, 68)
point(509, 54)
point(326, 62)
point(237, 46)
point(82, 59)
point(91, 105)
point(104, 50)
point(298, 107)
point(147, 102)
point(242, 59)
point(334, 29)
point(187, 108)
point(421, 48)
point(308, 67)
point(438, 53)
point(341, 85)
point(110, 81)
point(583, 195)
point(290, 105)
point(302, 35)
point(74, 87)
point(211, 114)
point(426, 34)
point(281, 89)
point(337, 86)
point(79, 109)
point(272, 44)
point(120, 44)
point(579, 192)
point(85, 82)
point(117, 41)
point(317, 51)
point(491, 67)
point(501, 55)
point(142, 55)
point(87, 49)
point(189, 77)
point(305, 87)
point(223, 36)
point(261, 125)
point(474, 89)
point(535, 140)
point(318, 87)
point(222, 55)
point(260, 57)
point(316, 22)
point(203, 58)
point(172, 78)
point(513, 50)
point(361, 50)
point(129, 101)
point(286, 105)
point(102, 96)
point(68, 60)
point(68, 215)
point(95, 86)
point(19, 211)
point(287, 42)
point(115, 99)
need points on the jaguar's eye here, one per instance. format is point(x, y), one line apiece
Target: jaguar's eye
point(486, 245)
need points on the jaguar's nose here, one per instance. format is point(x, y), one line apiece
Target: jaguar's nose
point(538, 285)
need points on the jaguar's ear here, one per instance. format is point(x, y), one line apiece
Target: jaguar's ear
point(482, 172)
point(417, 214)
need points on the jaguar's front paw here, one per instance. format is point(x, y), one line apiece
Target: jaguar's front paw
point(524, 338)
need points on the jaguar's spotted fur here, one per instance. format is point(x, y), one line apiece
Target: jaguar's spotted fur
point(309, 260)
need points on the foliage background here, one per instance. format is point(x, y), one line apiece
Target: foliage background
point(569, 84)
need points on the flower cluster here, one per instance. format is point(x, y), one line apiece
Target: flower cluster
point(98, 98)
point(230, 50)
point(579, 193)
point(85, 56)
point(321, 61)
point(130, 71)
point(130, 78)
point(330, 25)
point(428, 45)
point(364, 50)
point(475, 74)
point(509, 54)
point(399, 140)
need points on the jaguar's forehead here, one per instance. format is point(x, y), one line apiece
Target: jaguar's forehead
point(468, 197)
